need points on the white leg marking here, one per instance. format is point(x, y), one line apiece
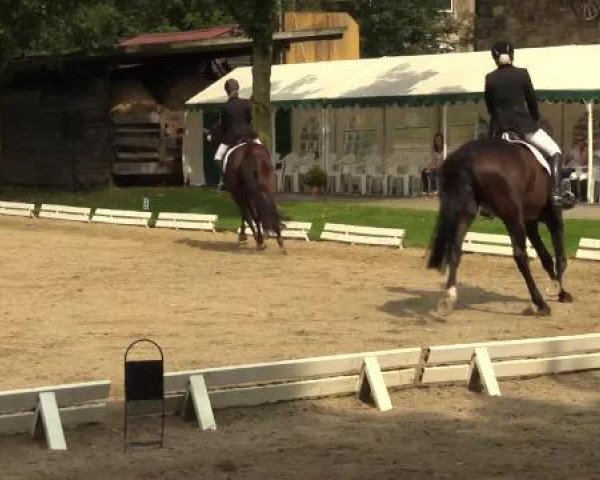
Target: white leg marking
point(452, 293)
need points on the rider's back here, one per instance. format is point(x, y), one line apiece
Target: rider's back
point(510, 94)
point(237, 120)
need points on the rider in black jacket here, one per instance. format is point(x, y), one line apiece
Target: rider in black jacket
point(236, 121)
point(513, 107)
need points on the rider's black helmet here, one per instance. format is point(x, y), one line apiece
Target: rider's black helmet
point(232, 86)
point(503, 48)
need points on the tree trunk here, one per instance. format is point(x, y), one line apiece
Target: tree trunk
point(262, 53)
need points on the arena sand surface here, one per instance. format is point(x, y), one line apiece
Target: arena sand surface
point(73, 296)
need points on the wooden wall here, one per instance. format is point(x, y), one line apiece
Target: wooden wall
point(347, 48)
point(55, 128)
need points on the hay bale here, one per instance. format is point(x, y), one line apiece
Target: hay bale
point(131, 96)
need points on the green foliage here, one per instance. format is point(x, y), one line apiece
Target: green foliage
point(60, 26)
point(316, 177)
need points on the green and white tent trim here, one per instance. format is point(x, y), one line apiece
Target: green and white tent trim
point(564, 74)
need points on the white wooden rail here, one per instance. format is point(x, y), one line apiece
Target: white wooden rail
point(197, 393)
point(492, 244)
point(44, 411)
point(249, 385)
point(186, 221)
point(65, 212)
point(17, 209)
point(514, 358)
point(589, 249)
point(122, 217)
point(290, 230)
point(352, 234)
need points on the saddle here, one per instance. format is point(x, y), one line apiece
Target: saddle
point(511, 137)
point(235, 147)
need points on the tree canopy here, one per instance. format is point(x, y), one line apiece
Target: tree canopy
point(61, 26)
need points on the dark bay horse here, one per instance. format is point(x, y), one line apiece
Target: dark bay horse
point(250, 177)
point(508, 180)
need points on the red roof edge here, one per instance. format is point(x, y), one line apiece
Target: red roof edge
point(178, 37)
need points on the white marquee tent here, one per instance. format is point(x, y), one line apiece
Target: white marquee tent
point(566, 74)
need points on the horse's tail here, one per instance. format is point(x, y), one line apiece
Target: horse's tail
point(256, 181)
point(456, 184)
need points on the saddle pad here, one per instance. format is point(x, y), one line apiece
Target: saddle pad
point(536, 153)
point(229, 152)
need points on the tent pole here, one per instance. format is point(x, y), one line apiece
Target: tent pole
point(445, 128)
point(273, 131)
point(325, 137)
point(590, 139)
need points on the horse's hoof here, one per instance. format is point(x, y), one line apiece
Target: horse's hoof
point(554, 289)
point(530, 311)
point(242, 237)
point(544, 311)
point(261, 246)
point(446, 306)
point(565, 297)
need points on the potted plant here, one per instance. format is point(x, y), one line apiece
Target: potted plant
point(316, 180)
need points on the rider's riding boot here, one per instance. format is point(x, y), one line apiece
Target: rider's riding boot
point(561, 199)
point(219, 163)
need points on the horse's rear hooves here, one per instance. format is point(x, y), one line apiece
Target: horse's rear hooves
point(565, 297)
point(535, 311)
point(261, 246)
point(554, 289)
point(446, 306)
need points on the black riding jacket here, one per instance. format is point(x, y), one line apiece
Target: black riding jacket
point(511, 101)
point(236, 121)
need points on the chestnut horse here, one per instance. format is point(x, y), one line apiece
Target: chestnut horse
point(250, 177)
point(507, 179)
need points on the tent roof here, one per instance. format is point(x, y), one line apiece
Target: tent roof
point(565, 73)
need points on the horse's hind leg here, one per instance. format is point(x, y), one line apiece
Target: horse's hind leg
point(516, 229)
point(554, 221)
point(257, 229)
point(533, 234)
point(242, 237)
point(446, 305)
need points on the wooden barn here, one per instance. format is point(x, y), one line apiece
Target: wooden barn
point(78, 122)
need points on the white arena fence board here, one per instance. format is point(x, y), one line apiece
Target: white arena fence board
point(515, 358)
point(186, 221)
point(536, 347)
point(307, 368)
point(317, 388)
point(70, 416)
point(248, 385)
point(77, 403)
point(122, 217)
point(17, 209)
point(65, 212)
point(589, 249)
point(69, 394)
point(492, 244)
point(290, 230)
point(356, 234)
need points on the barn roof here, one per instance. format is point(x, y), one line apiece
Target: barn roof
point(178, 37)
